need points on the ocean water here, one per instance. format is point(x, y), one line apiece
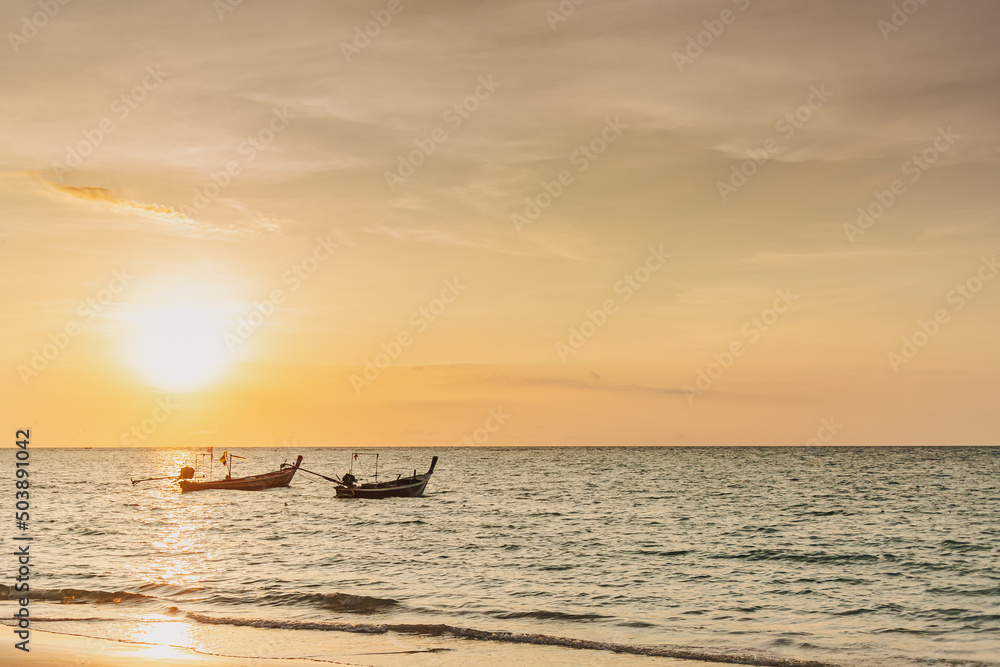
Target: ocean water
point(845, 556)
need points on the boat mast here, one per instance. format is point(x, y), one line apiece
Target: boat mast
point(230, 460)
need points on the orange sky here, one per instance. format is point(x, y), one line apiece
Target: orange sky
point(685, 223)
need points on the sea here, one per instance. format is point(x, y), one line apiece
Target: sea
point(758, 555)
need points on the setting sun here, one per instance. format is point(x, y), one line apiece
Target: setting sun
point(178, 347)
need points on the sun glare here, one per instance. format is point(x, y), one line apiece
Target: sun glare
point(167, 639)
point(179, 347)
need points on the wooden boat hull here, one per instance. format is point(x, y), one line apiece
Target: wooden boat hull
point(268, 480)
point(407, 487)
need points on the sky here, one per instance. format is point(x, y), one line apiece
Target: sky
point(736, 222)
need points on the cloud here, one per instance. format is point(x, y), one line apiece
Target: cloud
point(587, 386)
point(103, 195)
point(249, 222)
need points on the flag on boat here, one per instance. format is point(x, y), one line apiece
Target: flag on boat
point(223, 459)
point(210, 451)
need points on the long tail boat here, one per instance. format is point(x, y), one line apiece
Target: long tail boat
point(401, 487)
point(268, 480)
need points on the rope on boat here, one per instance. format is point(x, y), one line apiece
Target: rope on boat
point(150, 479)
point(329, 479)
point(186, 473)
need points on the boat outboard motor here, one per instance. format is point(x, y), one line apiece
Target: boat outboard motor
point(187, 472)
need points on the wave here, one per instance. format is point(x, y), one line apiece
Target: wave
point(169, 589)
point(855, 612)
point(548, 615)
point(666, 554)
point(74, 595)
point(342, 602)
point(956, 590)
point(962, 547)
point(439, 630)
point(818, 557)
point(339, 602)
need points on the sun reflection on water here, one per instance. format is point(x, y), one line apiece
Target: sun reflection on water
point(175, 529)
point(180, 552)
point(166, 639)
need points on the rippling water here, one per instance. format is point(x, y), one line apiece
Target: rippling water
point(841, 555)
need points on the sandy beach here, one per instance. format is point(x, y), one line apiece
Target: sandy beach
point(57, 650)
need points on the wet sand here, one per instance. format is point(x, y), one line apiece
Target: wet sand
point(57, 650)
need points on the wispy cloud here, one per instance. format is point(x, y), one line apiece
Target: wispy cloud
point(249, 222)
point(584, 385)
point(103, 195)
